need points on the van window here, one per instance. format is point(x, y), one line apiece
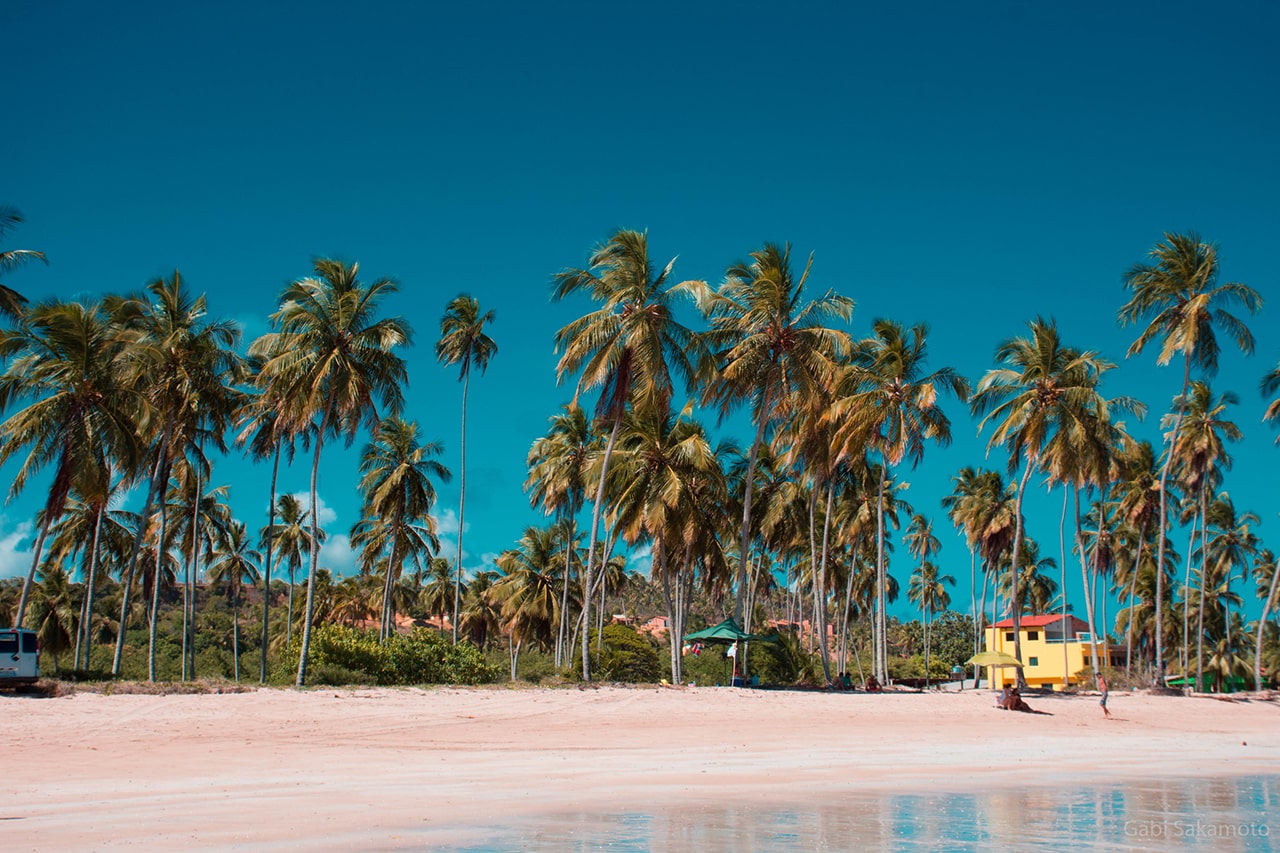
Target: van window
point(8, 644)
point(29, 644)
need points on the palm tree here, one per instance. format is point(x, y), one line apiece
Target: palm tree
point(1180, 293)
point(1200, 457)
point(1266, 572)
point(1269, 385)
point(771, 348)
point(464, 343)
point(887, 403)
point(557, 482)
point(1233, 546)
point(12, 303)
point(481, 615)
point(396, 472)
point(1044, 389)
point(66, 359)
point(55, 611)
point(235, 563)
point(628, 348)
point(263, 435)
point(436, 597)
point(528, 591)
point(332, 362)
point(291, 536)
point(928, 591)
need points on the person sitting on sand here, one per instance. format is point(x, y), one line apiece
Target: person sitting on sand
point(1001, 695)
point(873, 685)
point(846, 683)
point(1013, 702)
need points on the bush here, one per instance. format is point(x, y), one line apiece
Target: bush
point(348, 656)
point(627, 657)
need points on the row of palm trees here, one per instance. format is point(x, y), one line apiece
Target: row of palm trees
point(141, 388)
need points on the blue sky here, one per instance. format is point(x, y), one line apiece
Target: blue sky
point(971, 166)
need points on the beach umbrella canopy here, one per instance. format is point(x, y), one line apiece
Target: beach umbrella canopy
point(993, 659)
point(727, 632)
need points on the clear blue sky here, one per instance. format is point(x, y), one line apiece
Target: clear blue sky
point(971, 166)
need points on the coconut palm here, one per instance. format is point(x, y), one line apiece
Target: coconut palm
point(629, 348)
point(771, 348)
point(1266, 572)
point(1232, 546)
point(463, 342)
point(886, 402)
point(1137, 497)
point(1181, 301)
point(1044, 388)
point(436, 597)
point(396, 481)
point(928, 591)
point(331, 364)
point(481, 615)
point(527, 590)
point(67, 361)
point(235, 563)
point(263, 435)
point(55, 612)
point(1200, 460)
point(557, 482)
point(12, 304)
point(1269, 385)
point(292, 536)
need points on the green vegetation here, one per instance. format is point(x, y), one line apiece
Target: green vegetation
point(795, 529)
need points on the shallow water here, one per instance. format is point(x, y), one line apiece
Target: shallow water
point(1219, 814)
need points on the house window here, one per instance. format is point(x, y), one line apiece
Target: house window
point(1033, 635)
point(1035, 661)
point(1008, 636)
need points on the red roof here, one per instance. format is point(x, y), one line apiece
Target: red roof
point(1043, 619)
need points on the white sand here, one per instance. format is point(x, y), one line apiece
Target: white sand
point(362, 769)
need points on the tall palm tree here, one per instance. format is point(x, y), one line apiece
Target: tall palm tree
point(1200, 459)
point(1233, 546)
point(628, 348)
point(332, 363)
point(264, 435)
point(13, 303)
point(1181, 301)
point(67, 360)
point(235, 563)
point(292, 536)
point(557, 482)
point(463, 342)
point(55, 611)
point(1266, 572)
point(1044, 388)
point(396, 472)
point(770, 348)
point(528, 591)
point(928, 591)
point(887, 403)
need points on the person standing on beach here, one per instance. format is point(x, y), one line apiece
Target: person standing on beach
point(1102, 686)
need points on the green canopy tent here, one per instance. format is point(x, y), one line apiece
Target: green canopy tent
point(728, 633)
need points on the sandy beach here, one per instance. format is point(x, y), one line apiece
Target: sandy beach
point(374, 768)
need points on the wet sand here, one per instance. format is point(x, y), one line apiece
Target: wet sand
point(337, 769)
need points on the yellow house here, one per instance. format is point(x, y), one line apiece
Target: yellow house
point(1051, 646)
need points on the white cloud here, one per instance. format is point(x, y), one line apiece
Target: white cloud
point(447, 525)
point(640, 560)
point(326, 515)
point(15, 561)
point(336, 554)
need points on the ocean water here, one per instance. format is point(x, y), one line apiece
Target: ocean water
point(1219, 814)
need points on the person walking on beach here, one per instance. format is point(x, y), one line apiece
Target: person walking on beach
point(1102, 686)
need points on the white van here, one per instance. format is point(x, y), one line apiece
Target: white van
point(19, 657)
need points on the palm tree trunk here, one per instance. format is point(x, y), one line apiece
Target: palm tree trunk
point(1133, 590)
point(591, 550)
point(1164, 520)
point(1262, 624)
point(31, 573)
point(315, 557)
point(1084, 574)
point(882, 592)
point(266, 578)
point(235, 627)
point(740, 592)
point(388, 593)
point(1204, 578)
point(189, 590)
point(462, 503)
point(928, 612)
point(1014, 598)
point(563, 628)
point(1062, 564)
point(1186, 587)
point(820, 588)
point(137, 548)
point(155, 589)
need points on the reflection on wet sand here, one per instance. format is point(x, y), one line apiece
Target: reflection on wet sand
point(1220, 814)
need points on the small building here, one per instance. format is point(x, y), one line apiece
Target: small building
point(1054, 647)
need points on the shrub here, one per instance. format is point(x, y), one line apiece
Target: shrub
point(626, 657)
point(422, 657)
